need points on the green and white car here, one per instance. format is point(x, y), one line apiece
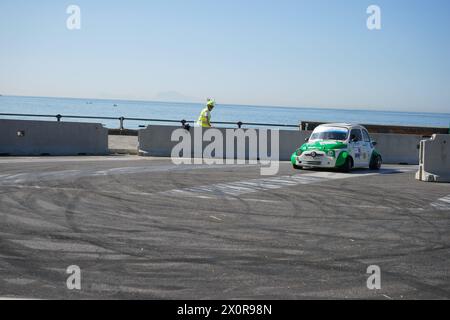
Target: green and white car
point(338, 145)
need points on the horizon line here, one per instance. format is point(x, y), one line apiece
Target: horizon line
point(225, 104)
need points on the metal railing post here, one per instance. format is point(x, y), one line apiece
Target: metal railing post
point(185, 124)
point(121, 119)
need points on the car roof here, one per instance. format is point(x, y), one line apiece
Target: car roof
point(346, 125)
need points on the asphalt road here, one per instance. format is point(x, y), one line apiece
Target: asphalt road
point(147, 229)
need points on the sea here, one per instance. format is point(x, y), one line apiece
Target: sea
point(189, 111)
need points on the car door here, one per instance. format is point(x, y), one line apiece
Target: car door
point(366, 147)
point(356, 144)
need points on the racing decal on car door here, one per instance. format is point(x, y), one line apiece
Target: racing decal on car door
point(358, 153)
point(367, 152)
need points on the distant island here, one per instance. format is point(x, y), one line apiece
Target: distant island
point(174, 96)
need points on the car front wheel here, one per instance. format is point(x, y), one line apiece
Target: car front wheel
point(348, 165)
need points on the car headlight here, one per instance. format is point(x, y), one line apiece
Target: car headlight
point(299, 152)
point(331, 153)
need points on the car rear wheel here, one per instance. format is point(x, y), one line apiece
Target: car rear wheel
point(375, 163)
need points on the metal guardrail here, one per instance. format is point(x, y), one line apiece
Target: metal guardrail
point(121, 120)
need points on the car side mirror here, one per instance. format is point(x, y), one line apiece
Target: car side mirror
point(307, 139)
point(374, 143)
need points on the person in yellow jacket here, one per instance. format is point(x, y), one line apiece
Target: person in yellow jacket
point(205, 116)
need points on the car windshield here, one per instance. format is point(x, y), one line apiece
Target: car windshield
point(330, 133)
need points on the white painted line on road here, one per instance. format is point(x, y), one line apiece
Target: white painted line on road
point(203, 197)
point(375, 207)
point(19, 186)
point(16, 299)
point(442, 204)
point(222, 190)
point(15, 160)
point(75, 174)
point(256, 185)
point(446, 199)
point(258, 200)
point(76, 190)
point(66, 246)
point(362, 206)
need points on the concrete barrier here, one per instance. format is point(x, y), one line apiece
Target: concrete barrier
point(35, 138)
point(394, 148)
point(156, 141)
point(434, 163)
point(398, 148)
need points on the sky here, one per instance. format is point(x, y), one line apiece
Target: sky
point(303, 53)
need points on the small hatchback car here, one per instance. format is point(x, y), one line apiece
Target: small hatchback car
point(338, 145)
